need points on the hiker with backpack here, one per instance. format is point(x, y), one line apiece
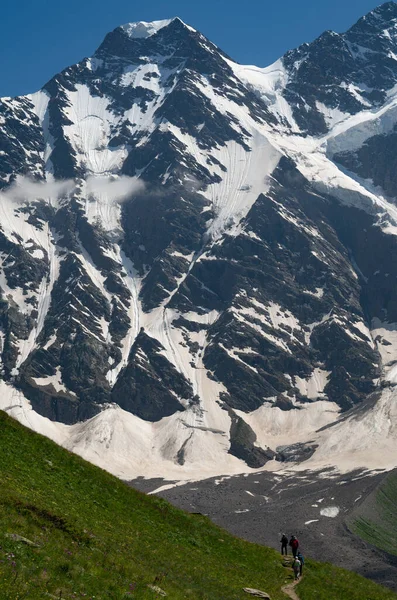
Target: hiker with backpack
point(284, 544)
point(294, 543)
point(296, 565)
point(301, 559)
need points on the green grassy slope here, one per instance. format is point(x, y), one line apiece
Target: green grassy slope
point(376, 519)
point(96, 538)
point(324, 581)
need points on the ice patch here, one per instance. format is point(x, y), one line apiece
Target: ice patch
point(330, 511)
point(37, 253)
point(54, 380)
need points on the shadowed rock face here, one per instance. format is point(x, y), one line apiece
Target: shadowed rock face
point(21, 141)
point(229, 279)
point(375, 160)
point(349, 72)
point(149, 374)
point(284, 269)
point(242, 444)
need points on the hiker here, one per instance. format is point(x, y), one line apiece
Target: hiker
point(294, 543)
point(284, 544)
point(296, 565)
point(301, 559)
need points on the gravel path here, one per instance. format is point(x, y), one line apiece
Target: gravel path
point(289, 590)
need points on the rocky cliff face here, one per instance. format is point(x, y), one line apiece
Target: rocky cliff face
point(205, 245)
point(343, 73)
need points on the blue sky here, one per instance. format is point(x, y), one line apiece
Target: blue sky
point(38, 38)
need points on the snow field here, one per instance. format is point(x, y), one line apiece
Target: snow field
point(313, 387)
point(121, 442)
point(365, 440)
point(91, 131)
point(268, 83)
point(128, 446)
point(245, 179)
point(275, 427)
point(142, 29)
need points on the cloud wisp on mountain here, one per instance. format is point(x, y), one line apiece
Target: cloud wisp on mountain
point(116, 189)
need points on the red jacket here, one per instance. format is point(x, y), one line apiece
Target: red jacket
point(294, 544)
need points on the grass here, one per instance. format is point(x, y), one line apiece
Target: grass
point(323, 581)
point(96, 538)
point(376, 520)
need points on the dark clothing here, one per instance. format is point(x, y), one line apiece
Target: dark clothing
point(294, 543)
point(302, 561)
point(284, 545)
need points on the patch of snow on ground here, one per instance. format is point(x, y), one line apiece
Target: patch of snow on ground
point(54, 380)
point(313, 387)
point(347, 442)
point(14, 403)
point(275, 427)
point(385, 336)
point(128, 446)
point(37, 253)
point(330, 511)
point(332, 115)
point(51, 341)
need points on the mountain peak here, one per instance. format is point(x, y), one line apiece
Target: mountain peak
point(127, 40)
point(386, 10)
point(376, 30)
point(143, 29)
point(379, 19)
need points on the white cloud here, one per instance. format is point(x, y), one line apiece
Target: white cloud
point(115, 189)
point(25, 189)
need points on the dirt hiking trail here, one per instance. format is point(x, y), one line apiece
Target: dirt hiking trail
point(289, 590)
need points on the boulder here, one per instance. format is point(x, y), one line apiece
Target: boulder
point(158, 590)
point(257, 593)
point(19, 538)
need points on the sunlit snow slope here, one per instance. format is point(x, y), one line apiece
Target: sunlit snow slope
point(198, 258)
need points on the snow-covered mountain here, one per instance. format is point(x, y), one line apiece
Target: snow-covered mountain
point(199, 258)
